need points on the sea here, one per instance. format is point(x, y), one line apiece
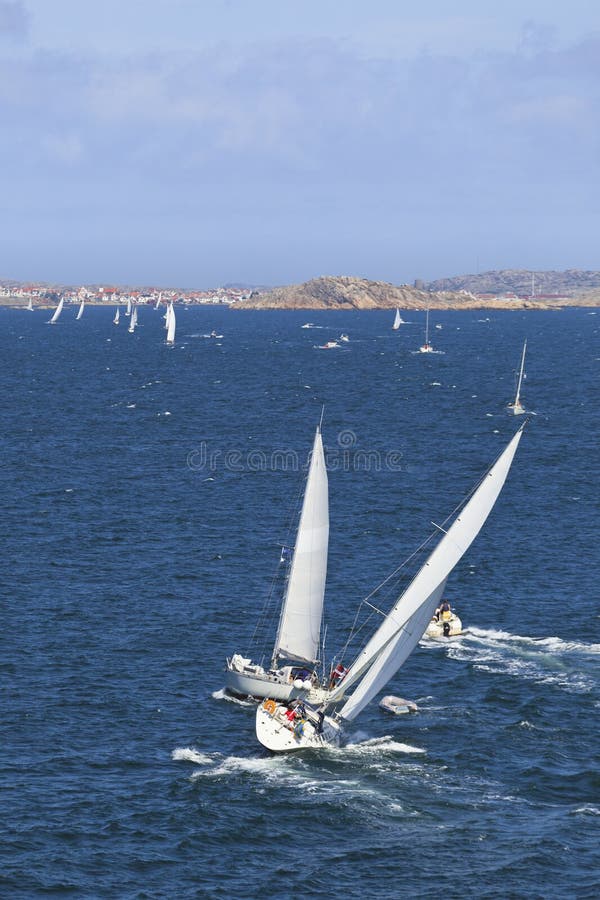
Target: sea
point(147, 492)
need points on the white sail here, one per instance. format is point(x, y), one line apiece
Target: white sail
point(299, 632)
point(402, 629)
point(116, 318)
point(80, 310)
point(171, 325)
point(517, 407)
point(133, 320)
point(128, 310)
point(30, 305)
point(397, 321)
point(158, 301)
point(57, 312)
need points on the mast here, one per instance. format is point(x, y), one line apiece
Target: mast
point(299, 631)
point(402, 629)
point(517, 403)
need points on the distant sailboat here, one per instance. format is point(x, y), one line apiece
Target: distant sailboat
point(426, 347)
point(171, 325)
point(517, 407)
point(133, 320)
point(80, 310)
point(128, 310)
point(158, 301)
point(398, 321)
point(57, 312)
point(30, 305)
point(116, 318)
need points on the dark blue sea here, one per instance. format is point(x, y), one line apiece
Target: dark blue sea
point(146, 493)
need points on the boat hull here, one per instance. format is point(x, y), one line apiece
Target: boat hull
point(280, 735)
point(250, 680)
point(397, 705)
point(437, 630)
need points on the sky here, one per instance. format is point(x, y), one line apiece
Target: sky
point(195, 143)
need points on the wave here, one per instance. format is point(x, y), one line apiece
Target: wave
point(554, 644)
point(549, 660)
point(188, 754)
point(229, 698)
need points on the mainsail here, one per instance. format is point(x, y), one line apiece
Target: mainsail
point(80, 310)
point(57, 312)
point(517, 404)
point(170, 324)
point(402, 629)
point(299, 631)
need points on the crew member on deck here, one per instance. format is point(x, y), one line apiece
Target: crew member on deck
point(337, 675)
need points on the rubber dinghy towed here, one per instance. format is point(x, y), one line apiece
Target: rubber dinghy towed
point(296, 725)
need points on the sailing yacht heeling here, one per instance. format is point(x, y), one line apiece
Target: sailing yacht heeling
point(297, 642)
point(398, 634)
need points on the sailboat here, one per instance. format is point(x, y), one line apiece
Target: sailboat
point(297, 642)
point(117, 315)
point(426, 347)
point(80, 310)
point(128, 309)
point(30, 305)
point(398, 321)
point(281, 727)
point(56, 313)
point(158, 301)
point(132, 320)
point(517, 407)
point(170, 324)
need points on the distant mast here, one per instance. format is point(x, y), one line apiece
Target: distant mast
point(517, 407)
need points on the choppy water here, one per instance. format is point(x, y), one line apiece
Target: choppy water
point(141, 519)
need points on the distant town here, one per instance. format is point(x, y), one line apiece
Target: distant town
point(46, 295)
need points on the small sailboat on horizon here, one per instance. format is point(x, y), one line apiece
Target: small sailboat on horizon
point(426, 347)
point(117, 315)
point(30, 305)
point(170, 324)
point(80, 310)
point(284, 727)
point(133, 319)
point(57, 312)
point(517, 407)
point(398, 321)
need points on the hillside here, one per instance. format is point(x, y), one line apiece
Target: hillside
point(570, 283)
point(344, 292)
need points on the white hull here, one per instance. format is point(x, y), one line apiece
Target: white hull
point(278, 734)
point(436, 629)
point(517, 409)
point(254, 681)
point(426, 348)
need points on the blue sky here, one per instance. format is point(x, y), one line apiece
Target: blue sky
point(199, 142)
